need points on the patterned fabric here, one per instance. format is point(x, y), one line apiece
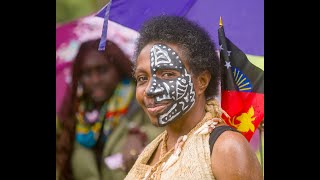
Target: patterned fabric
point(90, 123)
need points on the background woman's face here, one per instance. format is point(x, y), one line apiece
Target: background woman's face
point(99, 76)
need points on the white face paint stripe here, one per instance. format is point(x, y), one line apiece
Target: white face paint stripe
point(160, 55)
point(164, 97)
point(157, 90)
point(182, 103)
point(180, 88)
point(166, 114)
point(167, 87)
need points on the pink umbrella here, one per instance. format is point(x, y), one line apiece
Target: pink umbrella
point(69, 36)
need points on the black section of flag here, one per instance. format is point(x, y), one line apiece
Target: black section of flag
point(241, 75)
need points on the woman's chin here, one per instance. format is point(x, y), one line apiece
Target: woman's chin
point(99, 99)
point(154, 121)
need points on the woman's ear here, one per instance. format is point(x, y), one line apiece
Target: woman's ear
point(203, 81)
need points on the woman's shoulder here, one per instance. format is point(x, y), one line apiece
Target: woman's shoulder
point(231, 144)
point(231, 139)
point(232, 156)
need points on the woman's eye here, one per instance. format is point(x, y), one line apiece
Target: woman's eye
point(141, 79)
point(102, 69)
point(85, 74)
point(167, 75)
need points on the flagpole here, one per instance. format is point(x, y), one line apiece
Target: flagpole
point(223, 40)
point(222, 45)
point(220, 26)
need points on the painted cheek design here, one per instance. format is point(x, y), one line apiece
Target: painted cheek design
point(180, 90)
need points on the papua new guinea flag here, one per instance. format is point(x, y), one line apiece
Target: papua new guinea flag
point(242, 95)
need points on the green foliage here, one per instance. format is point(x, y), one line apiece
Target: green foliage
point(67, 10)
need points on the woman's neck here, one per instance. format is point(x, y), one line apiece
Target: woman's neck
point(94, 105)
point(186, 123)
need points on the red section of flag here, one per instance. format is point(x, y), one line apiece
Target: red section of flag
point(246, 110)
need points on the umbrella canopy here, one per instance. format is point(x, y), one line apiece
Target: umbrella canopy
point(243, 19)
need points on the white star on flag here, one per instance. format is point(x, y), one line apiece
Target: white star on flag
point(229, 52)
point(228, 65)
point(221, 47)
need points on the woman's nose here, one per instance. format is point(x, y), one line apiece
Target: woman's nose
point(154, 89)
point(95, 77)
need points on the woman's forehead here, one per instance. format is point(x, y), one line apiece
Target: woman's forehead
point(94, 57)
point(173, 48)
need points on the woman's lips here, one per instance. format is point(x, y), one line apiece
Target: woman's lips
point(98, 93)
point(155, 109)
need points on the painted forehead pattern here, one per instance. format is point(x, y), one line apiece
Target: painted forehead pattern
point(164, 56)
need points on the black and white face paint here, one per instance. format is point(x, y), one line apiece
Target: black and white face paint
point(180, 89)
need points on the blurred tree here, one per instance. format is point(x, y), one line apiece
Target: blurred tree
point(67, 10)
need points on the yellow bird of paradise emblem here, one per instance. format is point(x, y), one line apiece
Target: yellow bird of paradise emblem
point(245, 120)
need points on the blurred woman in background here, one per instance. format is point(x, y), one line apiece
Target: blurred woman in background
point(100, 128)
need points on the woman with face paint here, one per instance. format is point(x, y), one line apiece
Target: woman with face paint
point(101, 128)
point(177, 72)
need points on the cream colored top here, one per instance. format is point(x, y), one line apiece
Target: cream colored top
point(194, 161)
